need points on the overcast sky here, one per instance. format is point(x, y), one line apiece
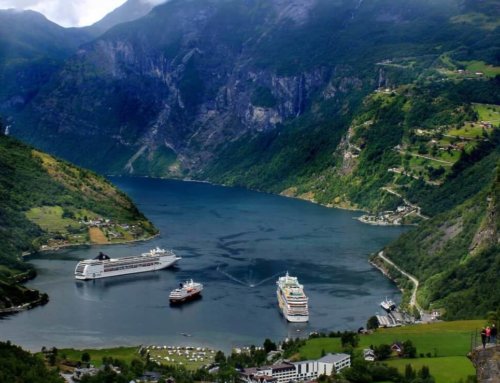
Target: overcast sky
point(69, 13)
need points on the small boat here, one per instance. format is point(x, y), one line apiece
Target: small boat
point(388, 305)
point(186, 291)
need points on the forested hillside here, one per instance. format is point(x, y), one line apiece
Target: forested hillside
point(170, 93)
point(17, 365)
point(456, 255)
point(48, 203)
point(392, 107)
point(32, 49)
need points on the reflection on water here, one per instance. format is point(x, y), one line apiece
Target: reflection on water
point(91, 286)
point(186, 304)
point(233, 241)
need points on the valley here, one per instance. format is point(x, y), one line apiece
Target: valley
point(388, 111)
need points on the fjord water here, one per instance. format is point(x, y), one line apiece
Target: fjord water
point(236, 242)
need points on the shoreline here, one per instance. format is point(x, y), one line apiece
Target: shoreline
point(329, 206)
point(41, 301)
point(86, 244)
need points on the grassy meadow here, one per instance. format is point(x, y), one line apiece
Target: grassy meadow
point(447, 343)
point(126, 354)
point(447, 369)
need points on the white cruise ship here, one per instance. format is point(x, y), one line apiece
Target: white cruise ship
point(187, 291)
point(292, 300)
point(103, 266)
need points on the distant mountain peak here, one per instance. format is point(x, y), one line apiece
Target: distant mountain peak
point(129, 11)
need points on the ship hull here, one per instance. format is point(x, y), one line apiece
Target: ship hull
point(191, 297)
point(296, 318)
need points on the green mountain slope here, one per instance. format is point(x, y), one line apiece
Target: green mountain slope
point(32, 49)
point(48, 203)
point(387, 106)
point(407, 141)
point(430, 148)
point(456, 255)
point(17, 365)
point(169, 91)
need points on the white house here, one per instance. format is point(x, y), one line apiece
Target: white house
point(369, 355)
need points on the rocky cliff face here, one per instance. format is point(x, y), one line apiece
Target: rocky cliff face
point(487, 363)
point(166, 91)
point(162, 95)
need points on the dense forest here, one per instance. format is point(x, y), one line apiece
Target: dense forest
point(45, 201)
point(17, 365)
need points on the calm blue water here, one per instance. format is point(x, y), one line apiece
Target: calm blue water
point(236, 242)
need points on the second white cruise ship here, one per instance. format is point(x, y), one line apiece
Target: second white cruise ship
point(103, 266)
point(292, 300)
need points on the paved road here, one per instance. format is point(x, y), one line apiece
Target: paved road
point(413, 300)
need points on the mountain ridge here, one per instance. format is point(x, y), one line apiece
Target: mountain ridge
point(380, 106)
point(258, 72)
point(128, 11)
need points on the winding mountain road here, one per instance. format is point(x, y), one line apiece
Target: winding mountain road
point(413, 300)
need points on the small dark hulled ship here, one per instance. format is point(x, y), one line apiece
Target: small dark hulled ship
point(187, 291)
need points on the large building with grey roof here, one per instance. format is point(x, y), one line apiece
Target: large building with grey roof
point(297, 371)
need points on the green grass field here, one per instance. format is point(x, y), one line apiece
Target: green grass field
point(469, 130)
point(50, 218)
point(449, 369)
point(127, 354)
point(452, 157)
point(442, 338)
point(481, 66)
point(488, 112)
point(447, 342)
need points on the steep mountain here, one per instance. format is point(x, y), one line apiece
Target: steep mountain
point(32, 48)
point(130, 10)
point(47, 203)
point(163, 95)
point(390, 107)
point(456, 255)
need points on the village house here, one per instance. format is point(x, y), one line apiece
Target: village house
point(369, 355)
